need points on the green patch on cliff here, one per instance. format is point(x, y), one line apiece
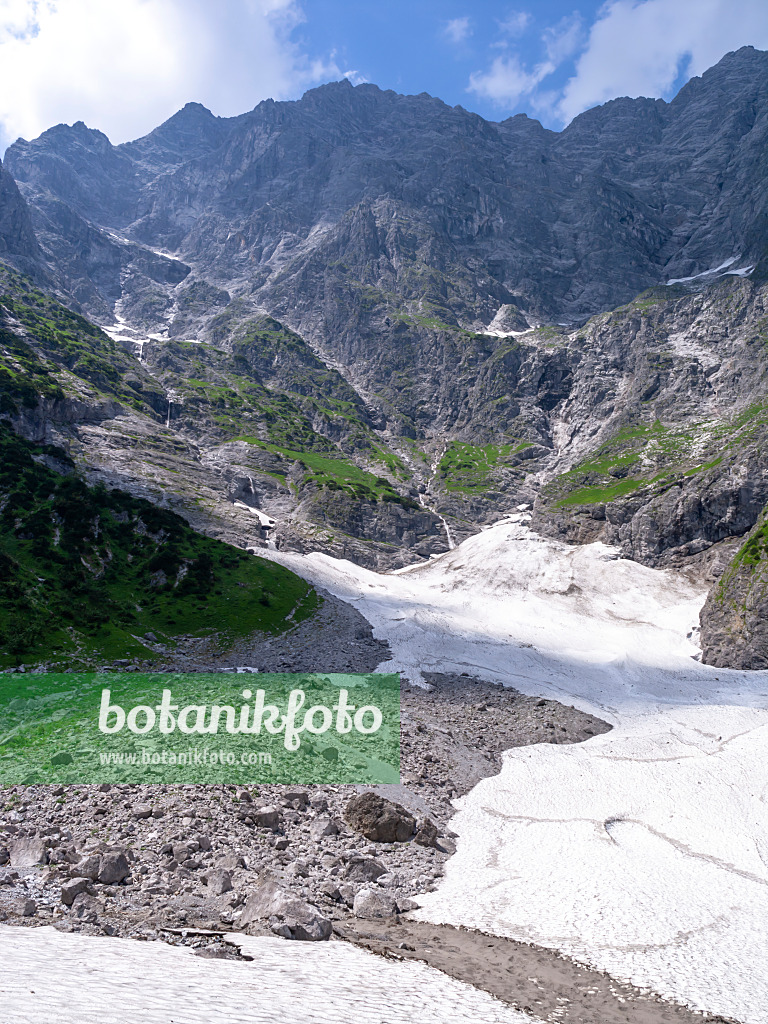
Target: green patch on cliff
point(600, 495)
point(268, 384)
point(336, 474)
point(636, 456)
point(755, 551)
point(468, 468)
point(25, 378)
point(433, 323)
point(40, 338)
point(88, 572)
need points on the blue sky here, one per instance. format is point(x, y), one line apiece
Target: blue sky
point(443, 47)
point(124, 66)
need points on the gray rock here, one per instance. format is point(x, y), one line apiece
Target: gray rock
point(88, 867)
point(231, 861)
point(426, 833)
point(378, 819)
point(71, 889)
point(331, 890)
point(296, 798)
point(372, 904)
point(323, 827)
point(364, 869)
point(286, 914)
point(219, 881)
point(405, 906)
point(347, 893)
point(181, 851)
point(85, 907)
point(296, 919)
point(28, 853)
point(113, 868)
point(266, 817)
point(22, 905)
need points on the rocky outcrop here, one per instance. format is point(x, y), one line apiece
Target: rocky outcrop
point(284, 913)
point(662, 441)
point(734, 619)
point(378, 819)
point(18, 244)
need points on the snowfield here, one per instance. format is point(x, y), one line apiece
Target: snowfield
point(80, 979)
point(643, 852)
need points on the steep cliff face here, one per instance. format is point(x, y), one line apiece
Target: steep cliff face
point(663, 438)
point(18, 244)
point(214, 431)
point(734, 620)
point(355, 187)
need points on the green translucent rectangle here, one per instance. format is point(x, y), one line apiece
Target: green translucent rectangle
point(164, 728)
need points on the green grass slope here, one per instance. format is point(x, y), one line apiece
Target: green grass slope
point(88, 572)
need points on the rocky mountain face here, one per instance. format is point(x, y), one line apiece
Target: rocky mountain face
point(735, 617)
point(18, 244)
point(422, 202)
point(384, 322)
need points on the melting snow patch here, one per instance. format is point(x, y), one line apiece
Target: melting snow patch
point(264, 519)
point(643, 851)
point(704, 273)
point(78, 979)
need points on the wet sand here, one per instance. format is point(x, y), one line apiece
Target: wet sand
point(538, 981)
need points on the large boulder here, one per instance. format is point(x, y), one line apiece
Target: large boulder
point(113, 868)
point(28, 853)
point(71, 890)
point(364, 869)
point(88, 867)
point(379, 820)
point(218, 881)
point(426, 833)
point(373, 904)
point(285, 913)
point(323, 827)
point(266, 817)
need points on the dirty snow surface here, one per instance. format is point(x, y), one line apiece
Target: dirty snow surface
point(644, 851)
point(76, 979)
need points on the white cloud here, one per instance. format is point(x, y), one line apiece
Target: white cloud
point(458, 30)
point(515, 23)
point(638, 48)
point(17, 18)
point(321, 70)
point(507, 81)
point(125, 66)
point(564, 39)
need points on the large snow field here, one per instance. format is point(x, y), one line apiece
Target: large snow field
point(78, 979)
point(644, 851)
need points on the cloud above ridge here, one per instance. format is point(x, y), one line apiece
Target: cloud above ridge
point(631, 48)
point(125, 67)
